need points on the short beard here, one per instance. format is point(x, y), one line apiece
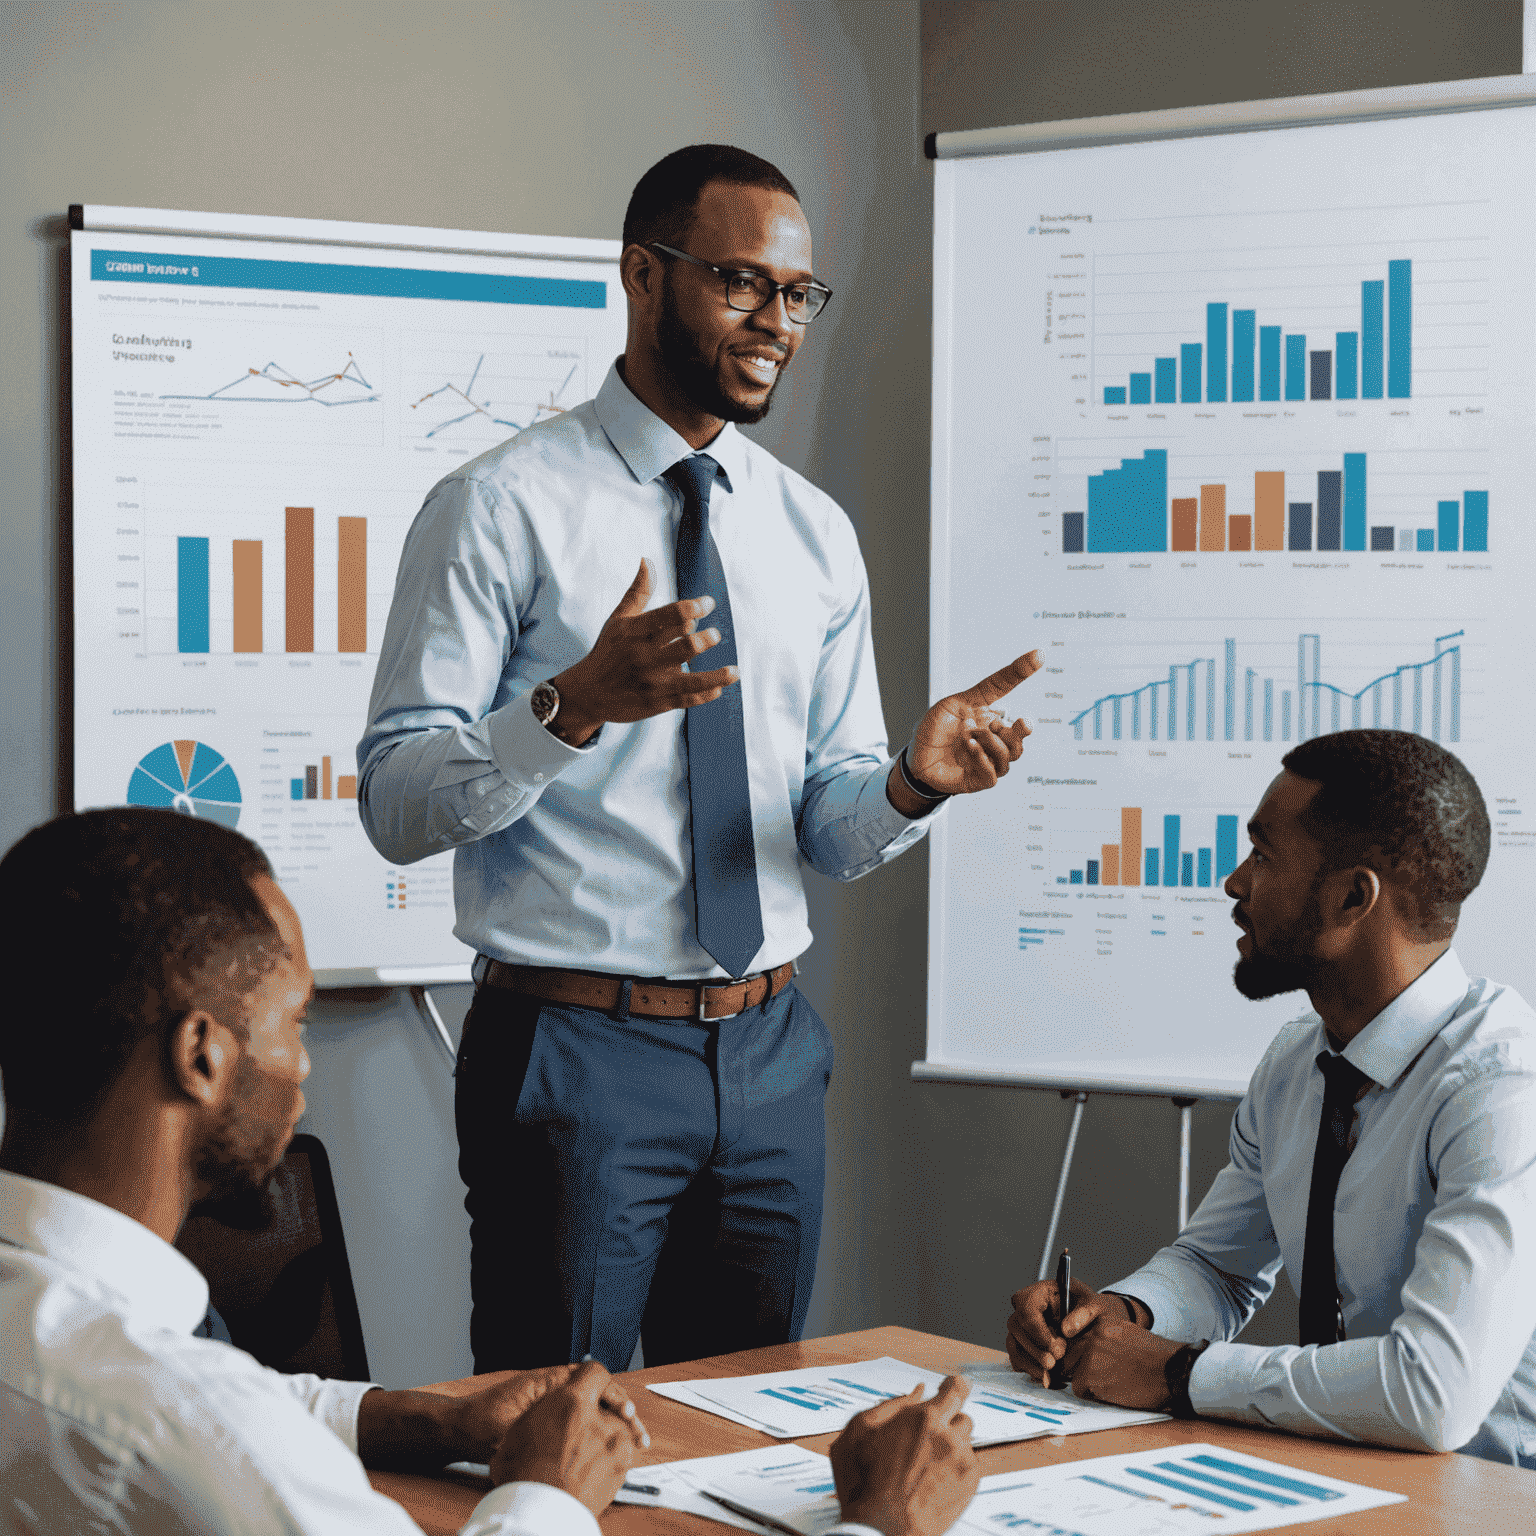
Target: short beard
point(239, 1159)
point(692, 374)
point(1289, 965)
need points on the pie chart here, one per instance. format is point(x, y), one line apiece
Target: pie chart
point(189, 777)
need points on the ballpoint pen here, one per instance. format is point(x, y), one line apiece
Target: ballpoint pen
point(1063, 1301)
point(751, 1514)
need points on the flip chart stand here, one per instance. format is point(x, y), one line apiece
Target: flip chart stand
point(427, 1008)
point(1080, 1098)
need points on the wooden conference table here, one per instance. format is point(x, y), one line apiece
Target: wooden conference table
point(1446, 1494)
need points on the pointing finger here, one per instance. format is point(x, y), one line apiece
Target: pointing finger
point(1002, 682)
point(948, 1399)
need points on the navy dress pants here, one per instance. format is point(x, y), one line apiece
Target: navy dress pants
point(636, 1177)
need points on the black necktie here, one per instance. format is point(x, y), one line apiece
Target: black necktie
point(728, 912)
point(1319, 1286)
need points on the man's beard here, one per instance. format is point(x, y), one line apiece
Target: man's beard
point(1287, 963)
point(695, 377)
point(241, 1155)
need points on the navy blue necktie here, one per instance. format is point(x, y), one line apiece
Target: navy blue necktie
point(727, 909)
point(1320, 1317)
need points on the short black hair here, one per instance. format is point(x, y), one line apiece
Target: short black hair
point(663, 203)
point(106, 919)
point(1403, 800)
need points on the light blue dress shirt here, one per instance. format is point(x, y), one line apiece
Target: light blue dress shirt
point(1434, 1233)
point(581, 857)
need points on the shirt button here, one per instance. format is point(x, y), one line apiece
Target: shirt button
point(538, 778)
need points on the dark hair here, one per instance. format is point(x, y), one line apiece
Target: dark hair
point(664, 200)
point(1402, 800)
point(106, 920)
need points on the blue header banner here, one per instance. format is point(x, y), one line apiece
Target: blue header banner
point(328, 277)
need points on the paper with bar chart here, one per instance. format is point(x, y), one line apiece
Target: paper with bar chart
point(256, 424)
point(1254, 465)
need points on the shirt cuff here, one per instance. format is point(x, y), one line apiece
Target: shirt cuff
point(1223, 1378)
point(528, 754)
point(335, 1404)
point(853, 1528)
point(529, 1509)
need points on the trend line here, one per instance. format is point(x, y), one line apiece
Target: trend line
point(483, 407)
point(306, 390)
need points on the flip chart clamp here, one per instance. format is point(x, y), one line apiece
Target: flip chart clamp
point(1080, 1097)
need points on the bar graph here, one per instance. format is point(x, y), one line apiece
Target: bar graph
point(317, 782)
point(1175, 849)
point(1372, 361)
point(1129, 510)
point(1221, 697)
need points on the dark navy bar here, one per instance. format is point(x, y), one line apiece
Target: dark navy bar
point(328, 277)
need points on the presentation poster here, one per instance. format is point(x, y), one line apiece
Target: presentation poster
point(1239, 432)
point(255, 426)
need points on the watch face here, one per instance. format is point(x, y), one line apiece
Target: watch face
point(545, 700)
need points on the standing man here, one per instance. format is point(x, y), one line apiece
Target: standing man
point(632, 683)
point(1385, 1152)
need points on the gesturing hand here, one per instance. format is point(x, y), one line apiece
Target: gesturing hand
point(906, 1467)
point(1038, 1340)
point(485, 1416)
point(571, 1440)
point(635, 670)
point(962, 744)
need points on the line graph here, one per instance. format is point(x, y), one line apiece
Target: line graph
point(474, 398)
point(273, 384)
point(483, 408)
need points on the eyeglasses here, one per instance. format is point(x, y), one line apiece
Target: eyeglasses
point(752, 291)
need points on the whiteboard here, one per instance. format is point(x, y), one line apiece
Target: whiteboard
point(1237, 427)
point(259, 408)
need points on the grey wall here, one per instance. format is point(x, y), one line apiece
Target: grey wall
point(538, 117)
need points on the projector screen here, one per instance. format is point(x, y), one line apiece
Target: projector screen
point(1235, 423)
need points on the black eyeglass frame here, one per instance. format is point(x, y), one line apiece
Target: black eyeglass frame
point(727, 273)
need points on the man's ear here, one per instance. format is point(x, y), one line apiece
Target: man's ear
point(640, 273)
point(203, 1054)
point(1356, 895)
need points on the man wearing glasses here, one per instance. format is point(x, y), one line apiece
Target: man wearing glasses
point(628, 676)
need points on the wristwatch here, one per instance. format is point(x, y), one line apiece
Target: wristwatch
point(545, 701)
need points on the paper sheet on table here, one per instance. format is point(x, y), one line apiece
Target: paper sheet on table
point(1162, 1493)
point(680, 1484)
point(683, 1392)
point(816, 1400)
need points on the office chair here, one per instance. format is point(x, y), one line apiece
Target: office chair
point(285, 1291)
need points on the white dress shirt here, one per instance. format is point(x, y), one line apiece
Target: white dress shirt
point(113, 1418)
point(582, 858)
point(1434, 1233)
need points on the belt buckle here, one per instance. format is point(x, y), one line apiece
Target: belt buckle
point(719, 1017)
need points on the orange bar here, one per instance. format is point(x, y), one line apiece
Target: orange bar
point(1130, 844)
point(1240, 534)
point(1269, 509)
point(351, 583)
point(1109, 864)
point(325, 778)
point(1213, 518)
point(247, 571)
point(299, 580)
point(1184, 522)
point(346, 786)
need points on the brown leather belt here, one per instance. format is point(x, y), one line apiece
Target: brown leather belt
point(652, 998)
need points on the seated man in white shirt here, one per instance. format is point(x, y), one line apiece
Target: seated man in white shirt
point(1403, 1201)
point(152, 1056)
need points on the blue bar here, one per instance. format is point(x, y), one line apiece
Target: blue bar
point(1141, 389)
point(1170, 850)
point(1202, 866)
point(192, 595)
point(329, 277)
point(1346, 365)
point(1295, 367)
point(1372, 336)
point(1229, 715)
point(1189, 373)
point(1474, 521)
point(1114, 394)
point(1301, 526)
point(1272, 1479)
point(1450, 525)
point(1128, 507)
point(1173, 1482)
point(1167, 381)
point(1071, 533)
point(1269, 362)
point(1243, 321)
point(1149, 876)
point(1187, 869)
point(1226, 846)
point(1354, 501)
point(296, 790)
point(1424, 539)
point(1093, 871)
point(1215, 351)
point(1399, 330)
point(1076, 877)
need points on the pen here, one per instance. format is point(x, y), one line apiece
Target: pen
point(1063, 1301)
point(750, 1514)
point(640, 1488)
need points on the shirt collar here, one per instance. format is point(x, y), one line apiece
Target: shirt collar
point(648, 445)
point(1387, 1046)
point(158, 1285)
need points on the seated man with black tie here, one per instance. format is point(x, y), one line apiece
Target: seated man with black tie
point(1385, 1151)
